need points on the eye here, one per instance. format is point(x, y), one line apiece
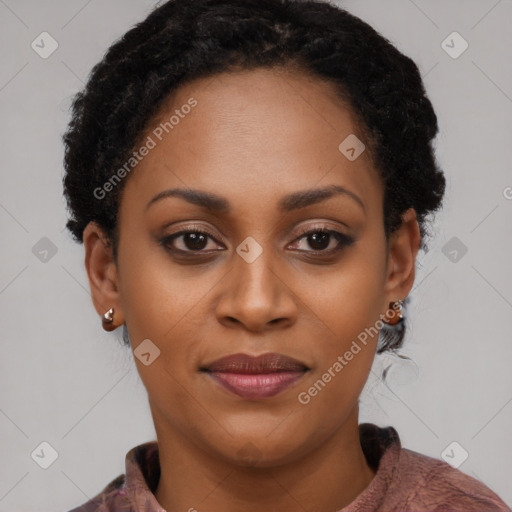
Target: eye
point(320, 238)
point(192, 240)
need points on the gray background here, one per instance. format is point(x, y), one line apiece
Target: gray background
point(67, 382)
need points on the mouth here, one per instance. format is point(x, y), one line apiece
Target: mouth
point(258, 377)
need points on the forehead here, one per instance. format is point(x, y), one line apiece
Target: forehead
point(254, 135)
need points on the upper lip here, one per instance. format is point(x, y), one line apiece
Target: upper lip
point(269, 362)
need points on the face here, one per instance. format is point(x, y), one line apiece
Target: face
point(262, 267)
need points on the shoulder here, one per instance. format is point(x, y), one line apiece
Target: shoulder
point(108, 500)
point(437, 486)
point(126, 492)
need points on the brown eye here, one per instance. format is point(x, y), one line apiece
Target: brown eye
point(191, 241)
point(320, 239)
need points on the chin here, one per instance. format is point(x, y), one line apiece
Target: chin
point(261, 451)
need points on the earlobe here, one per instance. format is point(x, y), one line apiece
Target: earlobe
point(403, 248)
point(102, 274)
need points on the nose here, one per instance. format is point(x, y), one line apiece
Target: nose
point(256, 296)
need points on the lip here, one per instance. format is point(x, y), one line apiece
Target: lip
point(256, 377)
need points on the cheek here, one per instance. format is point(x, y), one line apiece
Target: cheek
point(347, 309)
point(345, 301)
point(155, 293)
point(163, 302)
point(345, 348)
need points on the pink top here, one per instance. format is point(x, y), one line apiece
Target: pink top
point(405, 481)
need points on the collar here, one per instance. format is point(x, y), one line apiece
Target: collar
point(381, 447)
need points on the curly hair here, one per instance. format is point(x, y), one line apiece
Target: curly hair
point(182, 40)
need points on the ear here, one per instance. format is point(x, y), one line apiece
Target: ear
point(102, 272)
point(403, 248)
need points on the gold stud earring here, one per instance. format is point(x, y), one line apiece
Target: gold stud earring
point(108, 320)
point(397, 316)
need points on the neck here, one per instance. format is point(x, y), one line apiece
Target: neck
point(326, 479)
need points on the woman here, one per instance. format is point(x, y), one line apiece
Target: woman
point(251, 181)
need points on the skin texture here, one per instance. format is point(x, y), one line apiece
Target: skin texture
point(254, 137)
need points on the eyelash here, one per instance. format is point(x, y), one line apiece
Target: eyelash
point(343, 240)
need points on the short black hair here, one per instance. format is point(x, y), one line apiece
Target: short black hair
point(182, 40)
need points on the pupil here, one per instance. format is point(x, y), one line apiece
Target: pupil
point(195, 241)
point(323, 238)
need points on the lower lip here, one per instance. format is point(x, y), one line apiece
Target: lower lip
point(260, 385)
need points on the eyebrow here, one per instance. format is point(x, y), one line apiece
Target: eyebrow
point(288, 203)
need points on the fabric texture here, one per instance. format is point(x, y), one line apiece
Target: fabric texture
point(405, 481)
